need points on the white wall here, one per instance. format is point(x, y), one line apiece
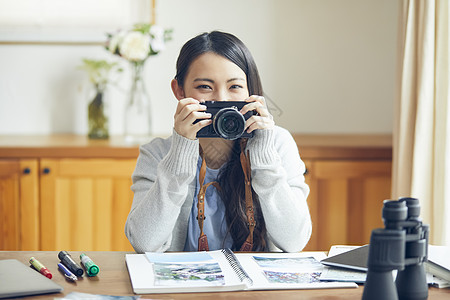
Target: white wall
point(327, 66)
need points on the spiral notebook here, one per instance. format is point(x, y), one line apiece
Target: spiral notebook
point(223, 270)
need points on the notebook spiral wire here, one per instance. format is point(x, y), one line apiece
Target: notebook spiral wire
point(237, 267)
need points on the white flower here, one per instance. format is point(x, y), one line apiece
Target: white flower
point(135, 46)
point(157, 43)
point(115, 41)
point(139, 43)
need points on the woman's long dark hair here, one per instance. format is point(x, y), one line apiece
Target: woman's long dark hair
point(231, 177)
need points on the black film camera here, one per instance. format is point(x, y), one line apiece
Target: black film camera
point(227, 121)
point(402, 245)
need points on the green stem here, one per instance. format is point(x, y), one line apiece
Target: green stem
point(137, 75)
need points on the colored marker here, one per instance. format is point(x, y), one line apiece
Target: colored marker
point(91, 268)
point(67, 260)
point(69, 275)
point(40, 268)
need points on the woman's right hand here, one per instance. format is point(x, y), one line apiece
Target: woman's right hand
point(188, 111)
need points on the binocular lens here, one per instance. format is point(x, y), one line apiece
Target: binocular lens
point(413, 206)
point(394, 210)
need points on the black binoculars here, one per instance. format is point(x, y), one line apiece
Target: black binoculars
point(402, 245)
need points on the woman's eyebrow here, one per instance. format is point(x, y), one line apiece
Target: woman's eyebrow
point(212, 81)
point(236, 78)
point(204, 79)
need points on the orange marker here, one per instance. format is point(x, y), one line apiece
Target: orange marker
point(40, 267)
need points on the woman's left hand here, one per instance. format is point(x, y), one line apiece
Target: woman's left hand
point(263, 119)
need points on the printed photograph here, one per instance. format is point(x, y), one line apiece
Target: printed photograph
point(290, 278)
point(290, 270)
point(300, 264)
point(204, 274)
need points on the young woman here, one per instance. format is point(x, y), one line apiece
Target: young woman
point(210, 193)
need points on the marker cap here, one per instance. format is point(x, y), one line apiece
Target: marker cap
point(46, 273)
point(91, 268)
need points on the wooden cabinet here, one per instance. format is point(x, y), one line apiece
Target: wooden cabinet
point(349, 177)
point(68, 192)
point(71, 204)
point(67, 195)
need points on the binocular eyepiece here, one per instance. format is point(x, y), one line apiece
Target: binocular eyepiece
point(402, 245)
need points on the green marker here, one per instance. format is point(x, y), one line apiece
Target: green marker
point(91, 268)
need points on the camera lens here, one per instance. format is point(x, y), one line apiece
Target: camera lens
point(229, 123)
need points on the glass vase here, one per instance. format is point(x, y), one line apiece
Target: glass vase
point(97, 119)
point(138, 127)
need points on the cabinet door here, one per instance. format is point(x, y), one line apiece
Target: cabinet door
point(85, 203)
point(346, 200)
point(19, 205)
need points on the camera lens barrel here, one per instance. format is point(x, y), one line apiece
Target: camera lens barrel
point(229, 123)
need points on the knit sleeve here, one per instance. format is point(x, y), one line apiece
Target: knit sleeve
point(277, 178)
point(162, 193)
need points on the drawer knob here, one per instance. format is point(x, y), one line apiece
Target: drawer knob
point(26, 171)
point(46, 170)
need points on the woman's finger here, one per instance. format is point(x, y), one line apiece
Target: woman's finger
point(256, 103)
point(259, 122)
point(183, 102)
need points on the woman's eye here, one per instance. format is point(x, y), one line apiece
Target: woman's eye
point(203, 86)
point(236, 86)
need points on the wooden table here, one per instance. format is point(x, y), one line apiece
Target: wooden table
point(113, 279)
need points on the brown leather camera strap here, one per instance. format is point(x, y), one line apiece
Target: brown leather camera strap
point(203, 240)
point(245, 162)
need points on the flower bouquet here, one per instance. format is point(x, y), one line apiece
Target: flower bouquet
point(136, 45)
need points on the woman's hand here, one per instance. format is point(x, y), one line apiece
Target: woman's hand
point(188, 111)
point(263, 119)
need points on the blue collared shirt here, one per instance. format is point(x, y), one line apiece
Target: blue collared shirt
point(215, 225)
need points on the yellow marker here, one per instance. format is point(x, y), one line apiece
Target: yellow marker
point(40, 268)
